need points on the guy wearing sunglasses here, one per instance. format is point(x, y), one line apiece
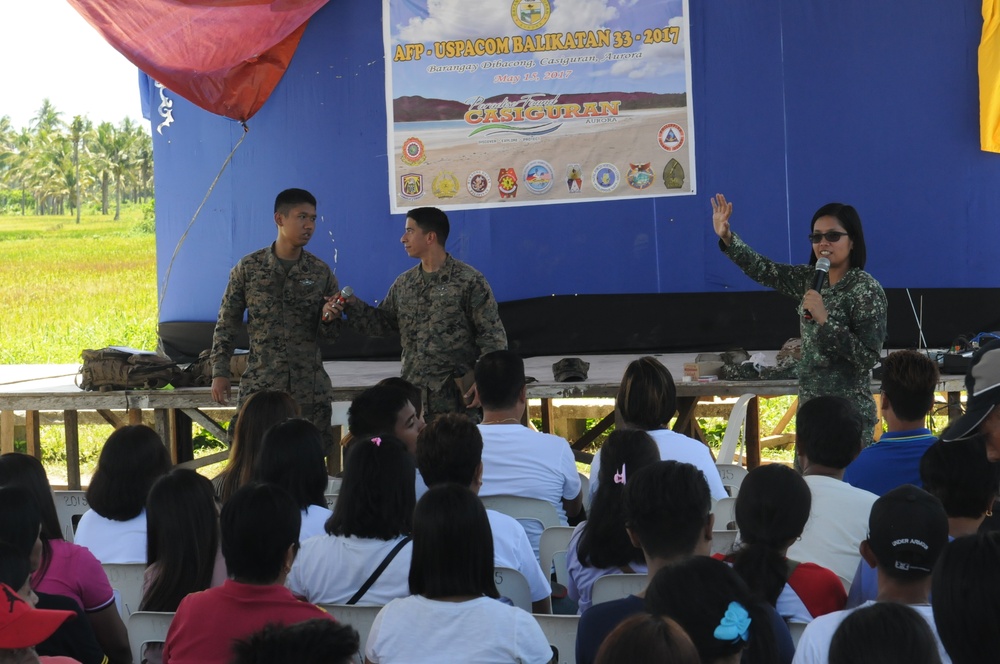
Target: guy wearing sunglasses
point(845, 328)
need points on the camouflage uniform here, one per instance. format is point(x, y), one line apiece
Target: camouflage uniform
point(283, 321)
point(837, 357)
point(446, 321)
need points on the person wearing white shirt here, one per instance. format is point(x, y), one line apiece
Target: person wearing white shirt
point(647, 400)
point(450, 450)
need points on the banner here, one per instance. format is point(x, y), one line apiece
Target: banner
point(533, 102)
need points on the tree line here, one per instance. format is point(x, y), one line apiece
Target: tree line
point(57, 167)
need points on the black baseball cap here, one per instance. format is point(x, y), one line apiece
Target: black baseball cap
point(907, 530)
point(982, 387)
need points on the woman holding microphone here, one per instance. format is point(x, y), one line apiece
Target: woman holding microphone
point(843, 322)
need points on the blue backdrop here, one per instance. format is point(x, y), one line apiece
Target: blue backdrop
point(796, 104)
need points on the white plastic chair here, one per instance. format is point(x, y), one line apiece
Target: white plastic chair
point(331, 500)
point(561, 633)
point(725, 514)
point(126, 580)
point(723, 541)
point(512, 585)
point(523, 509)
point(358, 617)
point(333, 485)
point(68, 505)
point(796, 629)
point(147, 627)
point(736, 425)
point(585, 488)
point(555, 540)
point(616, 586)
point(732, 475)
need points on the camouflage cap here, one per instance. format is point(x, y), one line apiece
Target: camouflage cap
point(570, 369)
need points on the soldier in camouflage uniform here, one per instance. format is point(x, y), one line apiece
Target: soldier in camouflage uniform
point(843, 333)
point(444, 312)
point(285, 292)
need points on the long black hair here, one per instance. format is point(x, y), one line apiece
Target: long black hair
point(132, 459)
point(605, 542)
point(291, 456)
point(26, 471)
point(182, 538)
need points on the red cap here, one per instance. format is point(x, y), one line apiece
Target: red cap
point(22, 625)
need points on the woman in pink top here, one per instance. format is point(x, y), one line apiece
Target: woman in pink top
point(67, 569)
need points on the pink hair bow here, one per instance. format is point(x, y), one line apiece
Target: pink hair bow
point(377, 441)
point(620, 476)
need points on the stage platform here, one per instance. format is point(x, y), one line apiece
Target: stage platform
point(29, 390)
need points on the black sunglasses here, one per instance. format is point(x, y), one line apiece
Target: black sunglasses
point(831, 236)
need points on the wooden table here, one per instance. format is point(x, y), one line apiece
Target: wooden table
point(41, 388)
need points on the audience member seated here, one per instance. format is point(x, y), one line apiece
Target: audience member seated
point(516, 460)
point(601, 545)
point(884, 633)
point(964, 480)
point(20, 551)
point(453, 614)
point(387, 409)
point(292, 457)
point(64, 568)
point(716, 609)
point(667, 514)
point(114, 528)
point(648, 639)
point(907, 529)
point(982, 387)
point(828, 438)
point(412, 393)
point(260, 535)
point(908, 382)
point(364, 557)
point(315, 641)
point(22, 627)
point(647, 400)
point(260, 412)
point(182, 544)
point(965, 599)
point(771, 510)
point(450, 449)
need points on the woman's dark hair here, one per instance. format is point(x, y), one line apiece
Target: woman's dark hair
point(452, 545)
point(132, 459)
point(19, 519)
point(647, 396)
point(258, 525)
point(961, 476)
point(884, 633)
point(772, 508)
point(411, 390)
point(965, 599)
point(182, 538)
point(377, 495)
point(259, 412)
point(698, 593)
point(292, 457)
point(850, 220)
point(648, 639)
point(828, 431)
point(374, 411)
point(15, 566)
point(26, 471)
point(316, 641)
point(605, 542)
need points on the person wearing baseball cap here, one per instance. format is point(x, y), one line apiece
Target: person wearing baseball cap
point(982, 387)
point(22, 627)
point(907, 530)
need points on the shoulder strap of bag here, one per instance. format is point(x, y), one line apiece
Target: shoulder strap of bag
point(378, 571)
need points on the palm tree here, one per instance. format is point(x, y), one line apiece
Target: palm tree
point(47, 118)
point(78, 130)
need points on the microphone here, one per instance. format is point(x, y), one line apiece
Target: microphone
point(822, 268)
point(341, 299)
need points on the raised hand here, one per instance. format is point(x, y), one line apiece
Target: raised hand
point(721, 211)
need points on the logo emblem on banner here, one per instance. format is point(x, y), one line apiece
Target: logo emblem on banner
point(605, 177)
point(673, 175)
point(574, 178)
point(413, 152)
point(538, 176)
point(445, 185)
point(639, 176)
point(530, 14)
point(507, 183)
point(411, 186)
point(671, 137)
point(478, 183)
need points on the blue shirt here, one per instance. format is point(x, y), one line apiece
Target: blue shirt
point(891, 462)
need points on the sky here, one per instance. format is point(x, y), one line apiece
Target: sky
point(49, 50)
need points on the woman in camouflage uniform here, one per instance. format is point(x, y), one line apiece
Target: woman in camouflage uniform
point(843, 326)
